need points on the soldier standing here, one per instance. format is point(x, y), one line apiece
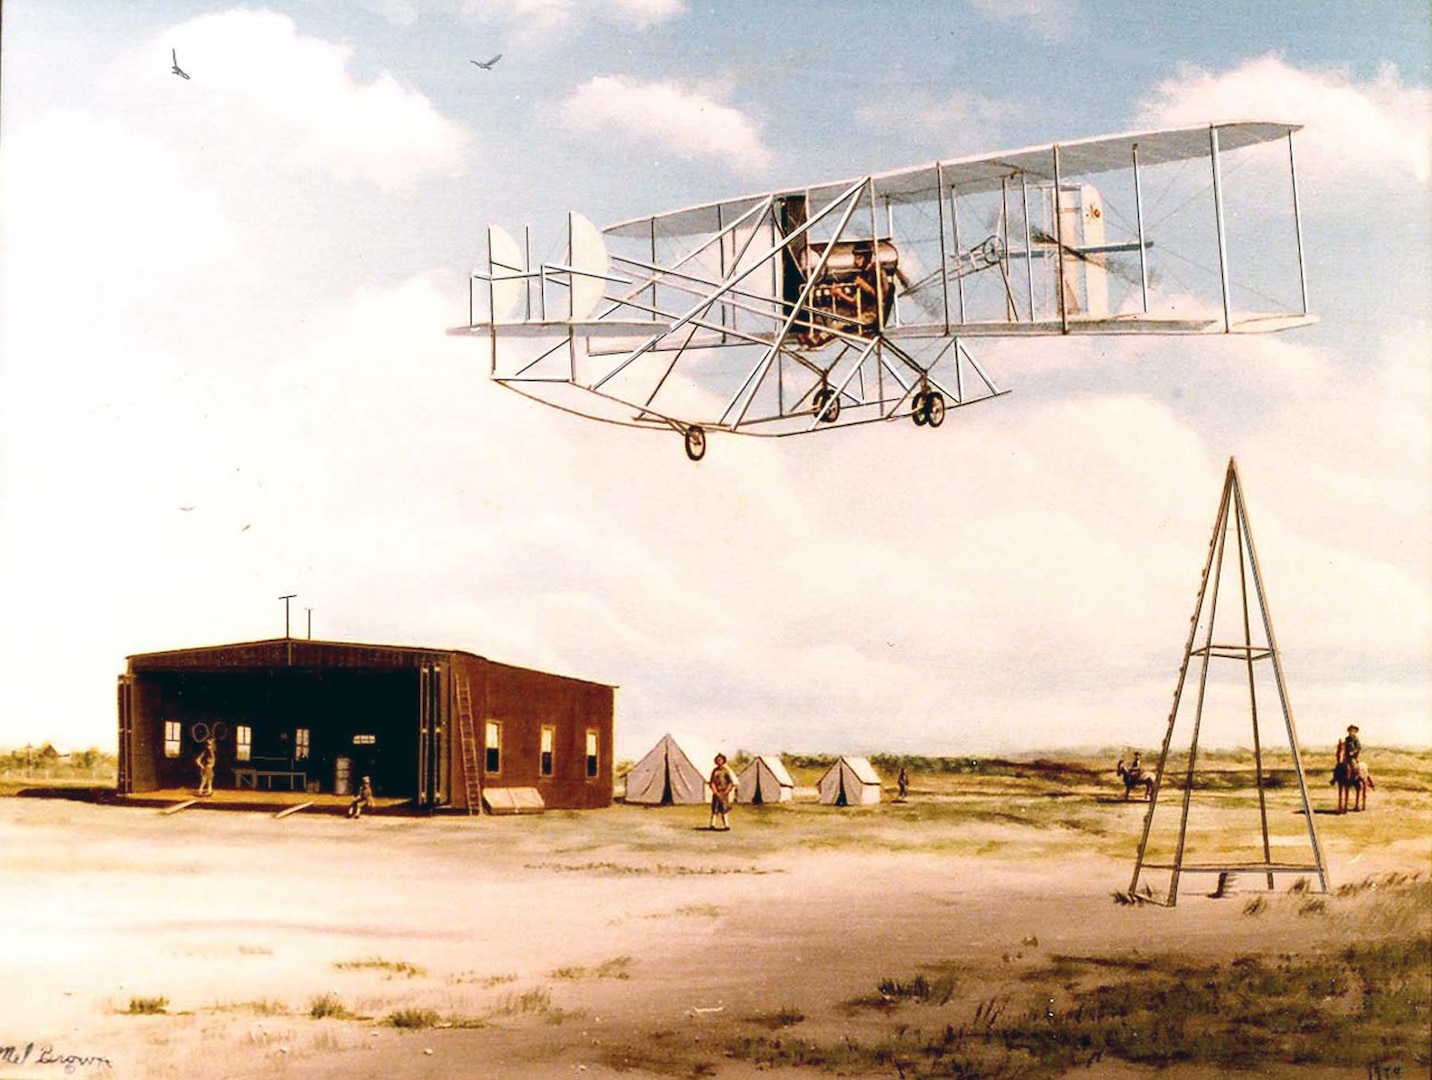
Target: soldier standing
point(723, 793)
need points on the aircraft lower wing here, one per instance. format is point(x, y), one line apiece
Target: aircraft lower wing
point(816, 307)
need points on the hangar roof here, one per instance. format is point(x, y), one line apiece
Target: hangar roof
point(306, 653)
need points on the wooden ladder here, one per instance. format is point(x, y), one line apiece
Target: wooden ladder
point(467, 741)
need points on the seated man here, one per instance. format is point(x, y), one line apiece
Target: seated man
point(363, 800)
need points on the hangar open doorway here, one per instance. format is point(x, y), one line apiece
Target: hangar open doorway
point(437, 727)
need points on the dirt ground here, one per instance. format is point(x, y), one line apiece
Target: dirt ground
point(633, 942)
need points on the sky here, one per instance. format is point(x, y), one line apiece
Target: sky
point(225, 374)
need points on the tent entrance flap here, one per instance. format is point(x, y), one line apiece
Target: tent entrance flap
point(672, 773)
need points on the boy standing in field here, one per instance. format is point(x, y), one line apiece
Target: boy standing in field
point(723, 793)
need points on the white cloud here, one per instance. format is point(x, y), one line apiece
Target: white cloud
point(1376, 130)
point(950, 124)
point(532, 19)
point(262, 97)
point(397, 12)
point(681, 120)
point(100, 218)
point(1052, 20)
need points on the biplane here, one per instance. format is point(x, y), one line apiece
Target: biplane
point(806, 309)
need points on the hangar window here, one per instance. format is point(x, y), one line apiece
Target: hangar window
point(365, 740)
point(549, 736)
point(172, 736)
point(300, 744)
point(245, 742)
point(591, 753)
point(494, 747)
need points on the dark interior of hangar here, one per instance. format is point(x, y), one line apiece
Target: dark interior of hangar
point(444, 729)
point(291, 728)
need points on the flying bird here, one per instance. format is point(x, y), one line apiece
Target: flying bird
point(486, 66)
point(174, 58)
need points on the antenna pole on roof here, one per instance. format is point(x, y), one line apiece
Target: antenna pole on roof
point(285, 600)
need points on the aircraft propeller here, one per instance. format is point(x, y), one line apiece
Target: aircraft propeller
point(1113, 266)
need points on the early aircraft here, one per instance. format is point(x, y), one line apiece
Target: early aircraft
point(841, 303)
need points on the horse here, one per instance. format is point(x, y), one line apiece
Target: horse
point(1352, 777)
point(1134, 778)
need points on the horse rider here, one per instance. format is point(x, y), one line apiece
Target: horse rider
point(1352, 748)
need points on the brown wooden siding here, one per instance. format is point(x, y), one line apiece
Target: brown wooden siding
point(523, 702)
point(337, 690)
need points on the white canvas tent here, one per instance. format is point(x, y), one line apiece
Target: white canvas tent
point(674, 771)
point(851, 781)
point(765, 780)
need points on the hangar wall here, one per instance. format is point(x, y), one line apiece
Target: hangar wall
point(433, 726)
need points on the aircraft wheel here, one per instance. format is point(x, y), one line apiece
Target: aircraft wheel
point(826, 405)
point(934, 408)
point(199, 731)
point(917, 409)
point(220, 731)
point(695, 443)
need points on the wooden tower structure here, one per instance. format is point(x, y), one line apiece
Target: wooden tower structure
point(1232, 541)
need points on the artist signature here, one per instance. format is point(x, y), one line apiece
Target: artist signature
point(46, 1054)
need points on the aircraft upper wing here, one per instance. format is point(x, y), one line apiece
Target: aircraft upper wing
point(1083, 157)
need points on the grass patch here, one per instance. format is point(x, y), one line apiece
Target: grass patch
point(1367, 1007)
point(534, 1002)
point(486, 981)
point(261, 1007)
point(414, 1018)
point(328, 1007)
point(393, 968)
point(537, 1000)
point(1379, 881)
point(147, 1006)
point(660, 870)
point(784, 1017)
point(696, 911)
point(921, 990)
point(615, 968)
